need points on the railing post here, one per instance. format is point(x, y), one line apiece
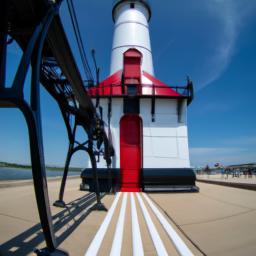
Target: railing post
point(153, 103)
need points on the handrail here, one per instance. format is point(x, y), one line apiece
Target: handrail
point(184, 91)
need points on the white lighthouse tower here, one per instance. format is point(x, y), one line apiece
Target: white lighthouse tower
point(147, 118)
point(131, 31)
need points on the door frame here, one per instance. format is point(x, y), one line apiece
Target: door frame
point(138, 119)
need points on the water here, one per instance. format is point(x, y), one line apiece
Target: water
point(26, 174)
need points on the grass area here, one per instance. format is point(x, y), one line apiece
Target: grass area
point(51, 168)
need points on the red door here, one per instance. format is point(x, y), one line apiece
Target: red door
point(130, 152)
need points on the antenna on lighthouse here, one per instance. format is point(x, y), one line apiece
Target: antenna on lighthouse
point(97, 69)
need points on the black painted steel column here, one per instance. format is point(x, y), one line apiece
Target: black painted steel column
point(39, 175)
point(60, 202)
point(3, 42)
point(99, 206)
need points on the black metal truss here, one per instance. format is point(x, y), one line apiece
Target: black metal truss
point(59, 88)
point(48, 71)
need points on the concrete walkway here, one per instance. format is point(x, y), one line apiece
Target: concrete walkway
point(74, 226)
point(242, 181)
point(229, 178)
point(220, 220)
point(216, 221)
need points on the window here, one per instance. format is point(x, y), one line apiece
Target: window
point(131, 90)
point(131, 105)
point(132, 5)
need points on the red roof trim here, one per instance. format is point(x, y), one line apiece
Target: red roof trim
point(164, 90)
point(111, 86)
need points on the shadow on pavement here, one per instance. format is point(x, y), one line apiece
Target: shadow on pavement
point(64, 222)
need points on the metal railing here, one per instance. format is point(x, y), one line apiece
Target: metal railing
point(141, 90)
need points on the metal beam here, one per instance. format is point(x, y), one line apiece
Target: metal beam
point(3, 42)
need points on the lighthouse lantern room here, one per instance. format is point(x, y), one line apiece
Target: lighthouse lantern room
point(146, 117)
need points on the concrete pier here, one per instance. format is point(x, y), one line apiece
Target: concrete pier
point(241, 181)
point(216, 221)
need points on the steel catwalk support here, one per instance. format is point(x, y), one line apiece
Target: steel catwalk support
point(68, 111)
point(60, 202)
point(71, 151)
point(3, 42)
point(39, 175)
point(89, 150)
point(60, 90)
point(13, 97)
point(36, 140)
point(75, 146)
point(99, 206)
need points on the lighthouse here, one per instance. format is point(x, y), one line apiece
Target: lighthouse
point(131, 31)
point(147, 118)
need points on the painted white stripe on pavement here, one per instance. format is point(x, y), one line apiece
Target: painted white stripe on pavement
point(96, 243)
point(118, 238)
point(136, 235)
point(176, 239)
point(161, 251)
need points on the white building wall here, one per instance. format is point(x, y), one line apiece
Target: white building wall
point(165, 141)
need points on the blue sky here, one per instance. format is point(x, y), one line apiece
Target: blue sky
point(213, 41)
